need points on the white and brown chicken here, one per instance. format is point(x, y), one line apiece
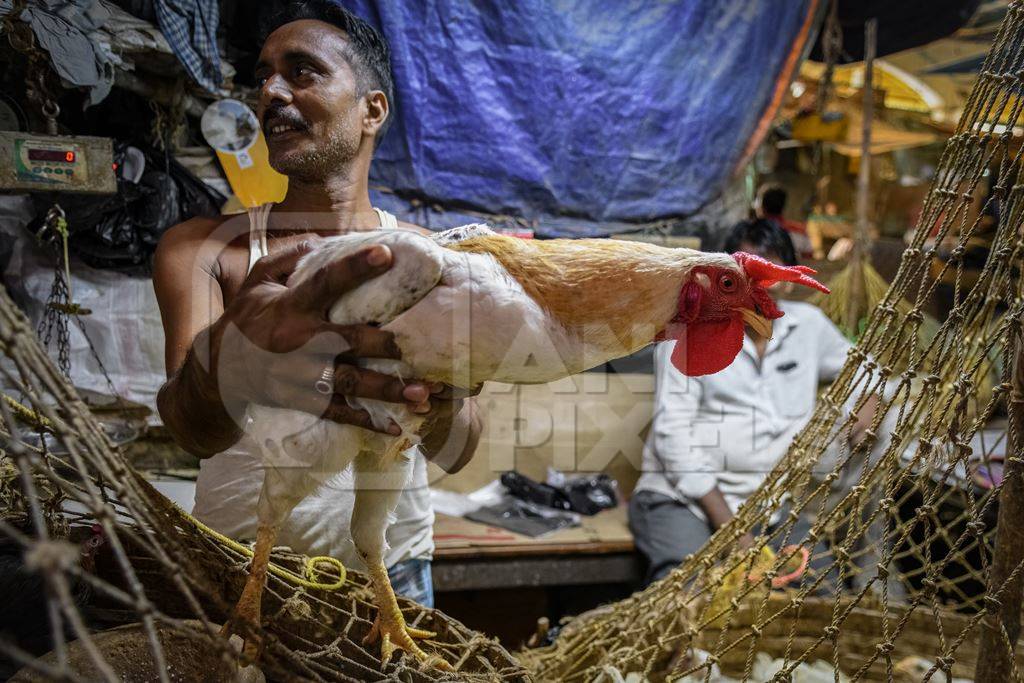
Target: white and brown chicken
point(468, 306)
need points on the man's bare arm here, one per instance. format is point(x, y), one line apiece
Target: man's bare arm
point(715, 508)
point(190, 301)
point(719, 514)
point(193, 411)
point(454, 434)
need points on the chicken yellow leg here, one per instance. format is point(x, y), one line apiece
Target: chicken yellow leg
point(247, 610)
point(379, 481)
point(389, 626)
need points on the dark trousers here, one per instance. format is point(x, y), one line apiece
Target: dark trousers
point(666, 531)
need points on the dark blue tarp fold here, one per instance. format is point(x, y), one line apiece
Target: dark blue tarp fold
point(579, 116)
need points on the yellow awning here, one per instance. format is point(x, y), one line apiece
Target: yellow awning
point(885, 137)
point(903, 90)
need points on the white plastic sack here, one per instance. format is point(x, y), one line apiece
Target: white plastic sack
point(124, 326)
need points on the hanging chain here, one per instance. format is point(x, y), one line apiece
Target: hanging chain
point(38, 71)
point(60, 306)
point(37, 92)
point(53, 236)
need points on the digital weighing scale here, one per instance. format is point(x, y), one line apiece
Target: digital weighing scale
point(56, 163)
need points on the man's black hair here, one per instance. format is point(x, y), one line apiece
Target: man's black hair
point(369, 56)
point(773, 200)
point(764, 234)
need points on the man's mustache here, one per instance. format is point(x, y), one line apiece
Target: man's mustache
point(279, 117)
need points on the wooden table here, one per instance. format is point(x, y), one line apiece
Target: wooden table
point(473, 556)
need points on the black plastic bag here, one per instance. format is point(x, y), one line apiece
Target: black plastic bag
point(586, 495)
point(120, 232)
point(589, 495)
point(524, 488)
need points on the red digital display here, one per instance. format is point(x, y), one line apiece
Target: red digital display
point(66, 156)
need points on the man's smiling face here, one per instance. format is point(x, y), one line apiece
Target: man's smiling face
point(311, 105)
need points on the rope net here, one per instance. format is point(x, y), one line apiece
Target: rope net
point(890, 541)
point(115, 582)
point(869, 561)
point(104, 549)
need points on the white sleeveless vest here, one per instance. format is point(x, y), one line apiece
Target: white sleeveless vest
point(229, 483)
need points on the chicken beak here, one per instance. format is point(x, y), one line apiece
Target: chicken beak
point(757, 322)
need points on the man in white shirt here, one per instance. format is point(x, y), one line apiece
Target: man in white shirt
point(714, 438)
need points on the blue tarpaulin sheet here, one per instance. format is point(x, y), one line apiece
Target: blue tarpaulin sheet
point(579, 116)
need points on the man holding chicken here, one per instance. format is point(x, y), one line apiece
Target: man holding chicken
point(236, 334)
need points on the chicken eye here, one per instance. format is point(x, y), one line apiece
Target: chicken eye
point(727, 283)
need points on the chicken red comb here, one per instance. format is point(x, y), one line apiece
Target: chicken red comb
point(765, 273)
